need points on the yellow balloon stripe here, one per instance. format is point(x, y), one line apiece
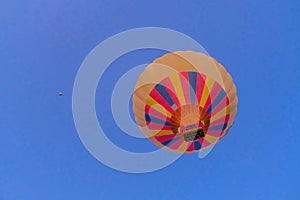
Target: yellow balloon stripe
point(161, 132)
point(211, 139)
point(221, 113)
point(206, 90)
point(183, 147)
point(178, 88)
point(154, 105)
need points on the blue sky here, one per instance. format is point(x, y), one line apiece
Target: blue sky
point(42, 45)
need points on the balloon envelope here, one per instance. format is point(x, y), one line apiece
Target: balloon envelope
point(185, 101)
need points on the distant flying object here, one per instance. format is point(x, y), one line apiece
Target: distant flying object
point(184, 102)
point(60, 93)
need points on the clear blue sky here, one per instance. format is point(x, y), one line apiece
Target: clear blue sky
point(42, 44)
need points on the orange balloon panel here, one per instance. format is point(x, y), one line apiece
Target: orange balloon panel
point(181, 105)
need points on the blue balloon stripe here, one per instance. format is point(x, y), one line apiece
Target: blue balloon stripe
point(218, 127)
point(197, 145)
point(152, 119)
point(164, 93)
point(220, 96)
point(193, 83)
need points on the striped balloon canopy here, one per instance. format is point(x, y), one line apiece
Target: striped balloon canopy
point(184, 101)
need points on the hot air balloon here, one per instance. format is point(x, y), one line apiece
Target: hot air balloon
point(184, 101)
